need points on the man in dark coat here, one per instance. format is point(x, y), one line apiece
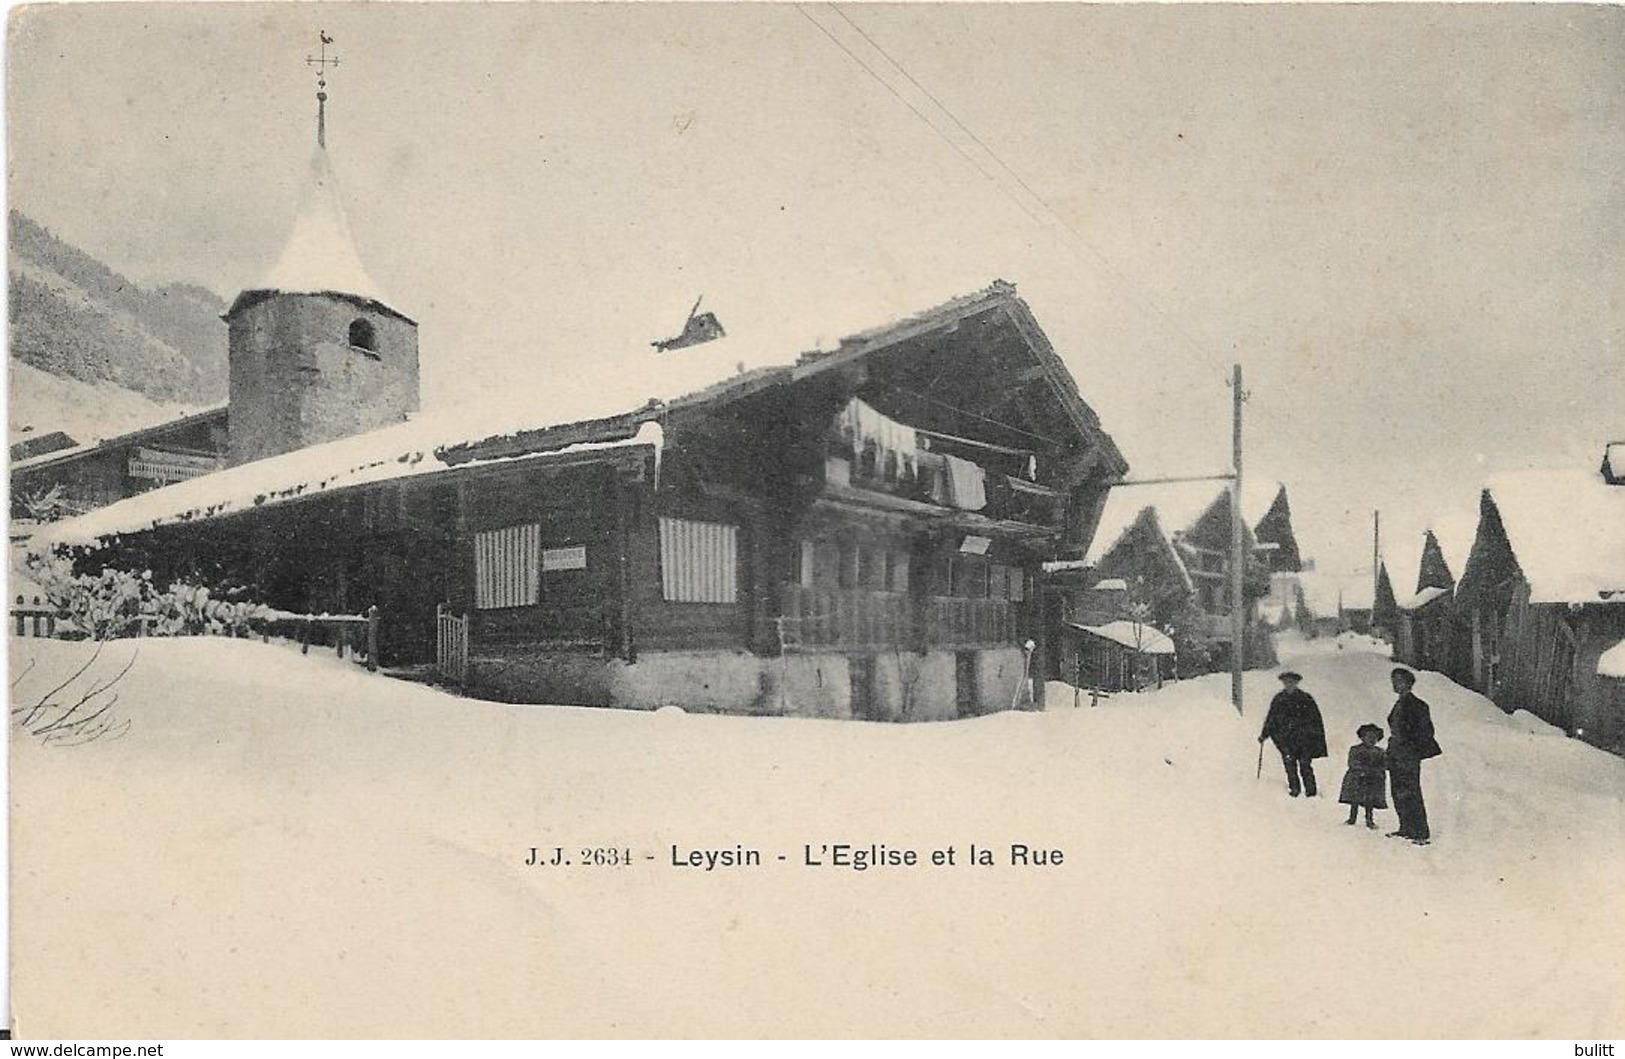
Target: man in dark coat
point(1294, 723)
point(1410, 742)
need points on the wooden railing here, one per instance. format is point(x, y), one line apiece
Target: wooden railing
point(955, 622)
point(357, 632)
point(822, 618)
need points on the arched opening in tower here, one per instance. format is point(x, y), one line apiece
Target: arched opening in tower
point(363, 335)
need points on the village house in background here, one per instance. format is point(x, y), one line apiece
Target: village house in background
point(728, 522)
point(1427, 636)
point(1147, 594)
point(55, 476)
point(1541, 602)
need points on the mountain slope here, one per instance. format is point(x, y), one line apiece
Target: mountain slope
point(73, 316)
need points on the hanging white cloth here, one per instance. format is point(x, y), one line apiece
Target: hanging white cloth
point(863, 423)
point(967, 484)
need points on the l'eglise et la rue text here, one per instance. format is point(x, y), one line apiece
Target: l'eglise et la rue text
point(861, 857)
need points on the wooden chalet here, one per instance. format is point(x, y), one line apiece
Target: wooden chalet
point(86, 476)
point(1278, 546)
point(1120, 655)
point(1427, 634)
point(1542, 599)
point(856, 532)
point(1170, 546)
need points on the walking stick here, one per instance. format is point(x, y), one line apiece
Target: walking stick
point(1260, 773)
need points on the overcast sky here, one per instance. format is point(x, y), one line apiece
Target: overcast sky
point(1406, 222)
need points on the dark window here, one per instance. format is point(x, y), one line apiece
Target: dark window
point(363, 335)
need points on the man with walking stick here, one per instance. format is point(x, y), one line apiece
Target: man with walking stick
point(1294, 723)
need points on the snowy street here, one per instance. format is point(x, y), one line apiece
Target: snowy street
point(296, 848)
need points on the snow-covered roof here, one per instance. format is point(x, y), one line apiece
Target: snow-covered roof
point(405, 451)
point(1421, 599)
point(1111, 584)
point(1612, 662)
point(1143, 638)
point(320, 256)
point(1257, 494)
point(55, 456)
point(1567, 530)
point(1178, 506)
point(614, 393)
point(1402, 552)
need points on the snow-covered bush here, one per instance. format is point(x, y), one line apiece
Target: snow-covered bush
point(114, 603)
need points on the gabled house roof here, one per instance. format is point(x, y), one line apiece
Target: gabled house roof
point(1179, 506)
point(596, 404)
point(1566, 531)
point(1147, 522)
point(134, 437)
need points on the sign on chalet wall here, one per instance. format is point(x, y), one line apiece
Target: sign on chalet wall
point(162, 465)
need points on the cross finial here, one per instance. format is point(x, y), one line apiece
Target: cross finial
point(321, 64)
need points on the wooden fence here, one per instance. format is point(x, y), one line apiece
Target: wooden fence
point(36, 619)
point(451, 646)
point(357, 633)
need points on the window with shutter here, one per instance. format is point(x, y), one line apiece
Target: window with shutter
point(699, 561)
point(508, 567)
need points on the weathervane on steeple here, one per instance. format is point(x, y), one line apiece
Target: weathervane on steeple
point(321, 65)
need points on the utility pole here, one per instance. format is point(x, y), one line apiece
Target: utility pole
point(1376, 557)
point(1238, 558)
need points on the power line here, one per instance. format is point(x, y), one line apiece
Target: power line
point(887, 85)
point(1081, 241)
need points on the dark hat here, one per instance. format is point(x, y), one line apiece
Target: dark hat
point(1290, 675)
point(1364, 728)
point(1404, 674)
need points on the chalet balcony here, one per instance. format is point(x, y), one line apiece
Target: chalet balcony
point(845, 619)
point(825, 619)
point(956, 622)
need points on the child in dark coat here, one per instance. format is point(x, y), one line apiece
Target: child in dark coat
point(1366, 782)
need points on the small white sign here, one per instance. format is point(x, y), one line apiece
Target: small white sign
point(975, 545)
point(574, 558)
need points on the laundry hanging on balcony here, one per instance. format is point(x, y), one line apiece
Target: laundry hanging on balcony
point(896, 446)
point(967, 483)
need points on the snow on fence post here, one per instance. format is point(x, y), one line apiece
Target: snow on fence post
point(372, 638)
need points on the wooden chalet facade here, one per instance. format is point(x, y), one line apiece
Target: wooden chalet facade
point(1542, 599)
point(857, 533)
point(85, 477)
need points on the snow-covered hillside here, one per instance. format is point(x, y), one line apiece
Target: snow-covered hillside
point(85, 411)
point(287, 846)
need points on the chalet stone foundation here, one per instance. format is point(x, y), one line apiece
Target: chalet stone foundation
point(903, 686)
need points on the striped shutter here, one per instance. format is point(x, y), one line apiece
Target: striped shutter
point(699, 561)
point(507, 567)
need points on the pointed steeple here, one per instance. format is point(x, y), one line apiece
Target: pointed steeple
point(315, 350)
point(319, 256)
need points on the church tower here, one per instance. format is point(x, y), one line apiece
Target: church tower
point(316, 352)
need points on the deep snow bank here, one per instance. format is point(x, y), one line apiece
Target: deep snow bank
point(348, 851)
